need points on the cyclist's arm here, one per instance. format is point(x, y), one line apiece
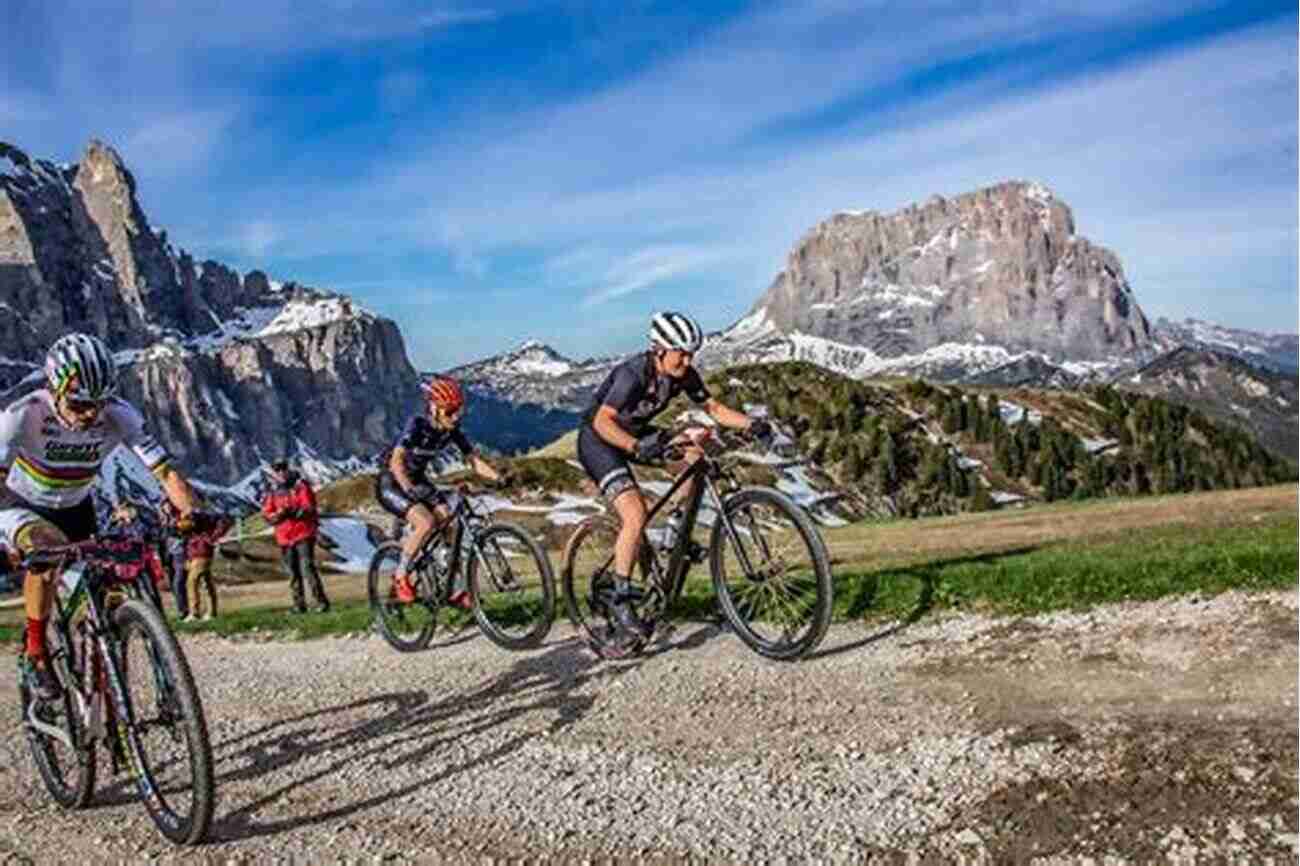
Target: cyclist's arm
point(467, 450)
point(726, 416)
point(178, 490)
point(152, 456)
point(397, 466)
point(483, 468)
point(11, 423)
point(607, 427)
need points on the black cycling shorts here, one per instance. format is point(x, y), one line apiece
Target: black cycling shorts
point(392, 497)
point(77, 522)
point(609, 467)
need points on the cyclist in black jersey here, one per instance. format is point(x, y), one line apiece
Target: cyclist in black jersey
point(402, 488)
point(616, 432)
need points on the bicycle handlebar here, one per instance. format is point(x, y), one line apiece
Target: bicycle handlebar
point(92, 550)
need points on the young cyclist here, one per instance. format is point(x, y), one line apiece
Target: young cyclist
point(403, 489)
point(616, 433)
point(52, 444)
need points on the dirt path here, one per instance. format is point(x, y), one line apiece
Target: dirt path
point(1162, 730)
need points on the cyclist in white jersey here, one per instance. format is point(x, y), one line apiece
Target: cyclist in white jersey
point(52, 443)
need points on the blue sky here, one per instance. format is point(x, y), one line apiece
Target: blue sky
point(487, 172)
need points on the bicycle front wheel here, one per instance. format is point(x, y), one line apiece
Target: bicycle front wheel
point(773, 575)
point(406, 627)
point(66, 759)
point(513, 586)
point(169, 733)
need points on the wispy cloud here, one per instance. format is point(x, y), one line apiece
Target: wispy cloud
point(257, 237)
point(689, 177)
point(643, 268)
point(174, 143)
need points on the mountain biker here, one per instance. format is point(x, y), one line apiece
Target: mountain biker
point(402, 488)
point(616, 432)
point(52, 444)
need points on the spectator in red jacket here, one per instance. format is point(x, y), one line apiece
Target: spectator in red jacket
point(290, 506)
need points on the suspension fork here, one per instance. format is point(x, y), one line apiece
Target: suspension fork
point(741, 553)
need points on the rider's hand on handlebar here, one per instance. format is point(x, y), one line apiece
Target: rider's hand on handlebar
point(651, 446)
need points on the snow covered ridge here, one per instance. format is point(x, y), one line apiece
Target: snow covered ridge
point(252, 323)
point(755, 340)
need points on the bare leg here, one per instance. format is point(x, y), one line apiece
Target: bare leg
point(630, 506)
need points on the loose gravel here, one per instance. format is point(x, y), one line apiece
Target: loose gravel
point(1158, 731)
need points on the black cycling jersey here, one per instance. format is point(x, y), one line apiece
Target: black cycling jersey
point(423, 442)
point(638, 393)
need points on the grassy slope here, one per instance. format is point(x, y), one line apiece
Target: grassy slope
point(1063, 556)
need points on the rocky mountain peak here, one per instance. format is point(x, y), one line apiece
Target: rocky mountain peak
point(1001, 265)
point(231, 371)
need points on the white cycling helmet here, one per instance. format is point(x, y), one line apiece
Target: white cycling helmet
point(81, 367)
point(676, 331)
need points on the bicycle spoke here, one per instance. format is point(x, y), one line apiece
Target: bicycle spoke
point(406, 626)
point(772, 576)
point(513, 586)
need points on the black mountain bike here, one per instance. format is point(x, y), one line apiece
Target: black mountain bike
point(768, 563)
point(126, 685)
point(507, 573)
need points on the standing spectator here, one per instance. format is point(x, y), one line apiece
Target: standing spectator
point(174, 548)
point(202, 542)
point(290, 506)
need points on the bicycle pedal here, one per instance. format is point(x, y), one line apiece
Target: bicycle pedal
point(697, 553)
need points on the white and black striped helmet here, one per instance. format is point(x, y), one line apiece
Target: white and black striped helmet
point(676, 331)
point(80, 366)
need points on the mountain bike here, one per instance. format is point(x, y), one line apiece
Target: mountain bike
point(769, 566)
point(126, 686)
point(508, 575)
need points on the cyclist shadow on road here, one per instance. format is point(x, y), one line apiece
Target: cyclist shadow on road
point(898, 597)
point(401, 730)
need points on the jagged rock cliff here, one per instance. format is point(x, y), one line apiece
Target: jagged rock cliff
point(1000, 266)
point(230, 371)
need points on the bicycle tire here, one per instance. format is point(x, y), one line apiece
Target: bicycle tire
point(590, 544)
point(747, 615)
point(508, 600)
point(70, 779)
point(180, 709)
point(406, 627)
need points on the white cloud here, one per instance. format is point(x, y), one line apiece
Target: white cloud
point(174, 143)
point(650, 266)
point(257, 237)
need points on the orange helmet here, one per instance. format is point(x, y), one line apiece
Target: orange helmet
point(444, 393)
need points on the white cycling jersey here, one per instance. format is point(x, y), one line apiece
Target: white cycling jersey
point(54, 466)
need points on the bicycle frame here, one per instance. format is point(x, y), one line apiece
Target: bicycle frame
point(103, 671)
point(463, 514)
point(707, 471)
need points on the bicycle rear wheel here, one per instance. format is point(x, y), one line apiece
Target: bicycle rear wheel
point(588, 558)
point(68, 773)
point(773, 578)
point(169, 733)
point(514, 590)
point(406, 627)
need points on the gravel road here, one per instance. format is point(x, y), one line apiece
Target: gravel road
point(1157, 731)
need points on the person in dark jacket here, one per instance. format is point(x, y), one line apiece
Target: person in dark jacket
point(290, 506)
point(173, 548)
